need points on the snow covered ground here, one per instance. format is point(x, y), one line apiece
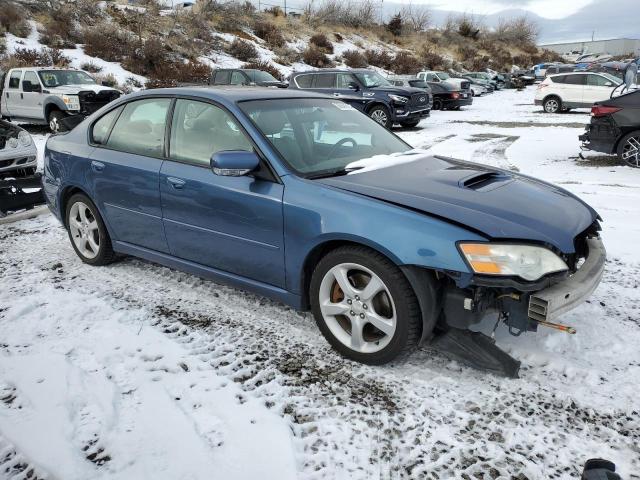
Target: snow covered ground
point(137, 371)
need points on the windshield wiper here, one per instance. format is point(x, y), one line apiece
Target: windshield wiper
point(332, 173)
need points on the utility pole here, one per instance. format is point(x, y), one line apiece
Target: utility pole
point(285, 8)
point(593, 33)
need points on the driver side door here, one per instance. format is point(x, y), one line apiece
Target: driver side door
point(31, 100)
point(233, 224)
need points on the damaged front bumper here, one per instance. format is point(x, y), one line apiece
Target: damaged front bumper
point(550, 303)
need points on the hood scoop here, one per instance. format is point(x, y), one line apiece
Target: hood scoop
point(485, 181)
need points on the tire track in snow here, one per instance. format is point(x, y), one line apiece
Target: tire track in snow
point(350, 420)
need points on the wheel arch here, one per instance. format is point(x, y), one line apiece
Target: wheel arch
point(52, 104)
point(552, 95)
point(65, 194)
point(326, 246)
point(623, 134)
point(377, 103)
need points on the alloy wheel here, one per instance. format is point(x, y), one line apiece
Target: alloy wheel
point(380, 116)
point(54, 126)
point(551, 106)
point(357, 307)
point(84, 230)
point(631, 151)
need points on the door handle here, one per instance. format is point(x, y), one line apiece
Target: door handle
point(336, 94)
point(176, 183)
point(97, 166)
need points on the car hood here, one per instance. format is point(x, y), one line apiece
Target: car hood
point(74, 89)
point(398, 90)
point(497, 203)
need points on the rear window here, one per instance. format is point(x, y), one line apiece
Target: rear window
point(575, 79)
point(304, 81)
point(222, 78)
point(558, 79)
point(325, 80)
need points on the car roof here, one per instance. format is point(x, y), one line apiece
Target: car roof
point(47, 68)
point(334, 70)
point(230, 94)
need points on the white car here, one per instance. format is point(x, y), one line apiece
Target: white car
point(17, 151)
point(435, 76)
point(563, 91)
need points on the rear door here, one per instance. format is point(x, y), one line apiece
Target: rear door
point(12, 94)
point(571, 91)
point(125, 170)
point(233, 224)
point(597, 88)
point(31, 100)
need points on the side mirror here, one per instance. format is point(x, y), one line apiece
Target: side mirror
point(354, 86)
point(234, 163)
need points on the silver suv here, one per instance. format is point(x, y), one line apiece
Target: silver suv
point(46, 95)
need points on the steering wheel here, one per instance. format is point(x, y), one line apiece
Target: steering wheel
point(340, 143)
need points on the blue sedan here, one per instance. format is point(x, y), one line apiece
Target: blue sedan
point(302, 198)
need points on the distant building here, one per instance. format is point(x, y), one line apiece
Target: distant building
point(614, 46)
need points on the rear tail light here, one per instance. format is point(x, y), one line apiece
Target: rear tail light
point(455, 95)
point(602, 110)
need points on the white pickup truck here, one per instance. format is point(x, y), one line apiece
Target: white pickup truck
point(436, 76)
point(44, 95)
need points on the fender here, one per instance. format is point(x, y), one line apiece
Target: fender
point(50, 102)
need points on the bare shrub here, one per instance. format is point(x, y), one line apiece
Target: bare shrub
point(432, 59)
point(354, 59)
point(355, 14)
point(270, 33)
point(322, 42)
point(172, 73)
point(13, 20)
point(265, 67)
point(521, 29)
point(46, 57)
point(147, 57)
point(242, 50)
point(316, 58)
point(107, 42)
point(405, 63)
point(338, 37)
point(415, 17)
point(467, 50)
point(287, 56)
point(379, 58)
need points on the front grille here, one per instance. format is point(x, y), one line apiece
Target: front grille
point(6, 163)
point(465, 85)
point(92, 102)
point(419, 100)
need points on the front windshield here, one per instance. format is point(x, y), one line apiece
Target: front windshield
point(317, 136)
point(443, 76)
point(372, 79)
point(56, 78)
point(260, 76)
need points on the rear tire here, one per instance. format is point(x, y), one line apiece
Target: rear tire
point(629, 149)
point(437, 105)
point(381, 115)
point(552, 105)
point(87, 232)
point(364, 305)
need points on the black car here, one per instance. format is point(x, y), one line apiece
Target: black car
point(389, 104)
point(448, 97)
point(245, 77)
point(615, 128)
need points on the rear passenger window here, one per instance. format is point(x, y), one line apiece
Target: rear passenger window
point(14, 79)
point(558, 79)
point(222, 78)
point(325, 80)
point(237, 78)
point(200, 129)
point(597, 81)
point(304, 81)
point(141, 128)
point(102, 127)
point(575, 79)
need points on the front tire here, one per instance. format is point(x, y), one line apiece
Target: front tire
point(364, 305)
point(87, 232)
point(629, 149)
point(552, 105)
point(55, 117)
point(381, 115)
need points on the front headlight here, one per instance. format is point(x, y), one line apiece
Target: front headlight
point(24, 138)
point(71, 101)
point(398, 98)
point(526, 261)
point(12, 142)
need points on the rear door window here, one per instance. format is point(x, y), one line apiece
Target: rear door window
point(222, 78)
point(237, 78)
point(597, 81)
point(325, 80)
point(304, 81)
point(141, 128)
point(575, 79)
point(14, 79)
